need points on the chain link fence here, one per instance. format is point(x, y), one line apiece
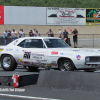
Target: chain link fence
point(84, 40)
point(87, 40)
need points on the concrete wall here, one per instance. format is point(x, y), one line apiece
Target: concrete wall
point(44, 28)
point(69, 80)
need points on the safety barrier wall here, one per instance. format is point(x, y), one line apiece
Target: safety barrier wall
point(69, 80)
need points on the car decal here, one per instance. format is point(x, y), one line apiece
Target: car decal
point(78, 57)
point(15, 42)
point(27, 55)
point(37, 55)
point(20, 59)
point(54, 63)
point(34, 55)
point(9, 49)
point(17, 51)
point(54, 52)
point(69, 54)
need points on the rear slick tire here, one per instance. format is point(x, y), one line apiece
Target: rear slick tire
point(8, 63)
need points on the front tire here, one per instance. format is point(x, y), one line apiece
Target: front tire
point(66, 65)
point(8, 63)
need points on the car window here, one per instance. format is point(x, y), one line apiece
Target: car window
point(34, 43)
point(55, 43)
point(21, 44)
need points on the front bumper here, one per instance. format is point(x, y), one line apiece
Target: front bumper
point(88, 66)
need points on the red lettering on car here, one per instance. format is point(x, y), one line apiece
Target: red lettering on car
point(54, 52)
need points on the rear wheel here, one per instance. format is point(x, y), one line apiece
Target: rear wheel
point(66, 65)
point(8, 63)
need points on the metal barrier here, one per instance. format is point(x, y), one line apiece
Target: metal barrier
point(2, 41)
point(84, 40)
point(88, 40)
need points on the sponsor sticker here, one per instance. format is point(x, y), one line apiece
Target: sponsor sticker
point(15, 42)
point(34, 55)
point(54, 52)
point(78, 57)
point(20, 59)
point(69, 54)
point(54, 62)
point(17, 51)
point(38, 56)
point(9, 49)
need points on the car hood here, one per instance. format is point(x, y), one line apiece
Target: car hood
point(78, 51)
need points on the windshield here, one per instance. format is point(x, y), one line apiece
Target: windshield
point(55, 43)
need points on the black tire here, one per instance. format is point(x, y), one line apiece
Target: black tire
point(8, 63)
point(66, 65)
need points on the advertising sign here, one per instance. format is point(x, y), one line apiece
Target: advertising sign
point(65, 16)
point(23, 15)
point(1, 15)
point(93, 16)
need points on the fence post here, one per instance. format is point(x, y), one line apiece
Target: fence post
point(93, 40)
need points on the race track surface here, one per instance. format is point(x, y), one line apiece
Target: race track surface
point(34, 92)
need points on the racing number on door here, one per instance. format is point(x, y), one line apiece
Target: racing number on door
point(34, 55)
point(27, 55)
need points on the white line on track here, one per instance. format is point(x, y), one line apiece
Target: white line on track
point(27, 97)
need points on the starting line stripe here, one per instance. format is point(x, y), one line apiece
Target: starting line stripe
point(27, 97)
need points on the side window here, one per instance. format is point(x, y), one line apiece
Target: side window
point(34, 43)
point(21, 44)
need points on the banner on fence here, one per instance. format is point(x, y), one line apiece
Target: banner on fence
point(65, 16)
point(92, 16)
point(23, 15)
point(1, 15)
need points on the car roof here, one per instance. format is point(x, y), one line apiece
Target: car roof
point(23, 38)
point(39, 38)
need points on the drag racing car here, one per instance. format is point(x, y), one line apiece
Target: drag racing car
point(47, 52)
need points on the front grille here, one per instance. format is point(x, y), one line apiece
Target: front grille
point(94, 59)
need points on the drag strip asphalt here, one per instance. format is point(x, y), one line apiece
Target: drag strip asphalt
point(33, 92)
point(48, 93)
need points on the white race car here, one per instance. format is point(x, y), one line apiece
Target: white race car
point(47, 52)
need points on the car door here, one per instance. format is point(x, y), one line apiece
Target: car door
point(35, 53)
point(18, 52)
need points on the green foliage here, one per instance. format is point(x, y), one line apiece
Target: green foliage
point(53, 3)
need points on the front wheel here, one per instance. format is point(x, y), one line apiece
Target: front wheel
point(8, 63)
point(66, 65)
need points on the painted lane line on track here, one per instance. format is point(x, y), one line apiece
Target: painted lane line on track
point(27, 97)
